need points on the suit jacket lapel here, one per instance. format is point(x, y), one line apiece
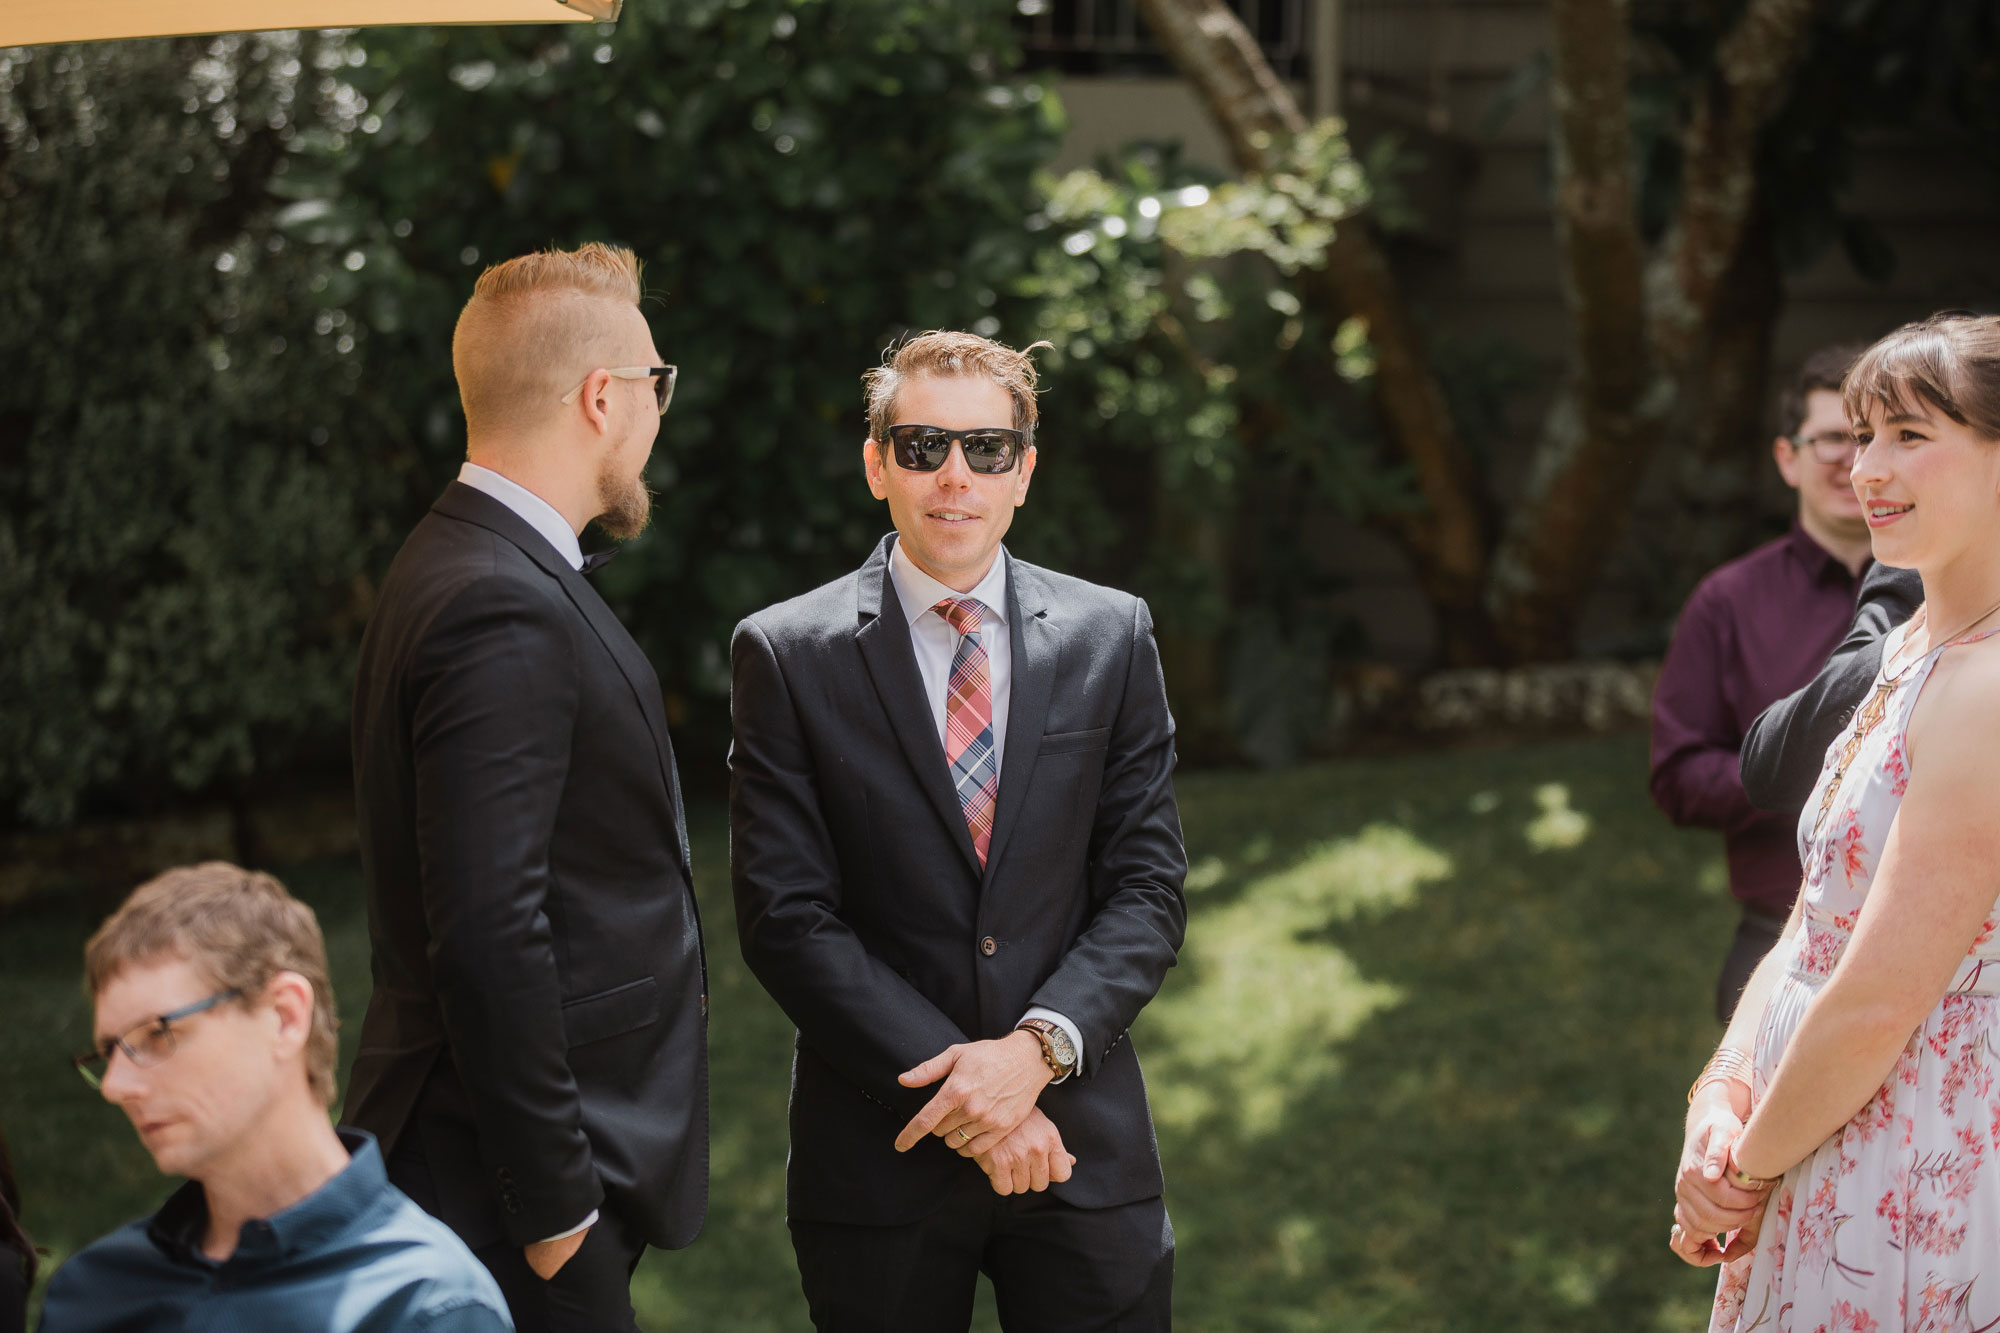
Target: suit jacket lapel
point(1035, 646)
point(475, 506)
point(884, 640)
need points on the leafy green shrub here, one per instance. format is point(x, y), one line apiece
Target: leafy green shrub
point(804, 182)
point(181, 513)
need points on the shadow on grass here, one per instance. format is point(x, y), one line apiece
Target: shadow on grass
point(1420, 1067)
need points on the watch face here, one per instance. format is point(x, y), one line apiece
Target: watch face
point(1060, 1043)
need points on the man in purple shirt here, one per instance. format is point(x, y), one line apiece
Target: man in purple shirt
point(1755, 630)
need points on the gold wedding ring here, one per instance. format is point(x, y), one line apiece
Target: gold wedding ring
point(963, 1137)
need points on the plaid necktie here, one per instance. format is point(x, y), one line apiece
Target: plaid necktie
point(968, 722)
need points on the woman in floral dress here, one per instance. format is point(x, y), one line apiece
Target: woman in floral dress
point(1843, 1153)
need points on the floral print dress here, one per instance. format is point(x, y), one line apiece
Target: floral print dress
point(1894, 1223)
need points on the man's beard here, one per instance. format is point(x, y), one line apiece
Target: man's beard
point(624, 506)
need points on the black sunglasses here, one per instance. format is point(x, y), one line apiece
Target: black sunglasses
point(988, 449)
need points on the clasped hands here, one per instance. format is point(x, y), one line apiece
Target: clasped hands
point(986, 1111)
point(1707, 1204)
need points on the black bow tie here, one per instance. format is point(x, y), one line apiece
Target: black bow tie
point(593, 563)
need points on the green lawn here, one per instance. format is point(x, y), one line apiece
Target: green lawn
point(1420, 1067)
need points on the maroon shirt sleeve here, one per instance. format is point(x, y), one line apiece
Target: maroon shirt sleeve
point(1696, 733)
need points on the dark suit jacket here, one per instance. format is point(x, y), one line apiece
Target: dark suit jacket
point(862, 907)
point(540, 1001)
point(1786, 746)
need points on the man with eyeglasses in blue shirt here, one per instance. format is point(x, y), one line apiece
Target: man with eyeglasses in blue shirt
point(214, 1033)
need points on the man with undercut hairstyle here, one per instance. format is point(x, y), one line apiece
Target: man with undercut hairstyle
point(534, 1057)
point(958, 867)
point(215, 1034)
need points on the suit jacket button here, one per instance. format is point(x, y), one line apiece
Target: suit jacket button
point(989, 946)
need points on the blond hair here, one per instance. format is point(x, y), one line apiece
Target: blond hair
point(943, 353)
point(534, 327)
point(240, 927)
point(1950, 361)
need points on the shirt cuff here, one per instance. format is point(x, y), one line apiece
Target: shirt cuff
point(585, 1225)
point(1069, 1030)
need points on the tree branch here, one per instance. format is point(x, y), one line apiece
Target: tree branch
point(1753, 70)
point(1216, 53)
point(1256, 112)
point(1601, 427)
point(1640, 328)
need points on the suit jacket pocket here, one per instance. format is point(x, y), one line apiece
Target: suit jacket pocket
point(611, 1013)
point(1073, 742)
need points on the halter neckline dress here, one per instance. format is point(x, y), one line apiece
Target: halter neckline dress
point(1894, 1222)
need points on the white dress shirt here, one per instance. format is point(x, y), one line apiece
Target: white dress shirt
point(536, 512)
point(936, 643)
point(540, 515)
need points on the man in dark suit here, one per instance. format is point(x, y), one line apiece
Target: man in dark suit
point(534, 1057)
point(958, 868)
point(1786, 746)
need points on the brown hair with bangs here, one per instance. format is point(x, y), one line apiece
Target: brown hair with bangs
point(941, 354)
point(240, 927)
point(1949, 362)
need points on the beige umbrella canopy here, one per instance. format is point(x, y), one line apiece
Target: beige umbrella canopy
point(32, 22)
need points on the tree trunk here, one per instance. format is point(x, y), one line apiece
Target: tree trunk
point(1639, 327)
point(1602, 426)
point(1447, 542)
point(1731, 420)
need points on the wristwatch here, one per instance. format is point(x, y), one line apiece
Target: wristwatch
point(1057, 1048)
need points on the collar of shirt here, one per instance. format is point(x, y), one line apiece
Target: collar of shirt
point(919, 592)
point(1817, 561)
point(311, 1223)
point(536, 512)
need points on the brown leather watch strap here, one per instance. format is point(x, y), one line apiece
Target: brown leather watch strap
point(1045, 1032)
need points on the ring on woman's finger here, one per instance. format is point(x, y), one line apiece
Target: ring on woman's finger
point(963, 1137)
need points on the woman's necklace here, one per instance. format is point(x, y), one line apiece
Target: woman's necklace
point(1877, 706)
point(1944, 641)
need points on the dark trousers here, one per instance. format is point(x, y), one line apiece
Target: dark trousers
point(1054, 1268)
point(592, 1293)
point(1755, 934)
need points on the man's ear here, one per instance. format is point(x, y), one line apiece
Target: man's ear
point(1786, 455)
point(290, 997)
point(1027, 474)
point(596, 401)
point(874, 458)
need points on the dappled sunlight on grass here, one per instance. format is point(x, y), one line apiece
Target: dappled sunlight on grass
point(1558, 826)
point(1266, 1001)
point(1419, 1070)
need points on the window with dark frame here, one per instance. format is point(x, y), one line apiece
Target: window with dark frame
point(1107, 37)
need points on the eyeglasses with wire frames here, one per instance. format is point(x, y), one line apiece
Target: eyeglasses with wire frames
point(989, 449)
point(145, 1044)
point(663, 378)
point(1830, 446)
